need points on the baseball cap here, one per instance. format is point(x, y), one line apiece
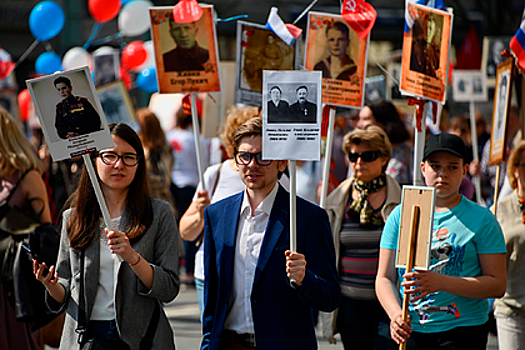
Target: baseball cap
point(445, 142)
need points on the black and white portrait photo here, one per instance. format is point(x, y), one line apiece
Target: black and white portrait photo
point(106, 68)
point(375, 88)
point(492, 48)
point(291, 114)
point(70, 113)
point(116, 103)
point(469, 85)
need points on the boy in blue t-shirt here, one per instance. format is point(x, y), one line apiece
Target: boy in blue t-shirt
point(447, 303)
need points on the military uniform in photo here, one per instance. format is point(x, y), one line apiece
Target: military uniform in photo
point(303, 112)
point(76, 115)
point(180, 59)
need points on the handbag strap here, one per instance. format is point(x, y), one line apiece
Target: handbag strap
point(13, 190)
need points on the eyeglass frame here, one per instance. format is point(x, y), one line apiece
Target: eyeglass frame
point(119, 157)
point(376, 154)
point(256, 156)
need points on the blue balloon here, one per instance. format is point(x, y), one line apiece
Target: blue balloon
point(147, 80)
point(124, 2)
point(48, 63)
point(46, 20)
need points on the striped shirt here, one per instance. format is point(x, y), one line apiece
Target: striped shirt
point(359, 255)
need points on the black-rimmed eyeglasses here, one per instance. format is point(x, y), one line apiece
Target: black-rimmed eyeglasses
point(245, 158)
point(111, 158)
point(366, 156)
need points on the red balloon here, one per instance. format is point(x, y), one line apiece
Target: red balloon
point(187, 11)
point(125, 77)
point(24, 99)
point(134, 54)
point(104, 10)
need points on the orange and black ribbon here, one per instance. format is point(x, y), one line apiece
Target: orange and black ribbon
point(420, 108)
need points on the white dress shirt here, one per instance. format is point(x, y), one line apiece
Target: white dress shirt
point(248, 242)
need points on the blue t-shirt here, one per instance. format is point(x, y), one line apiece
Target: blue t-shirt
point(458, 236)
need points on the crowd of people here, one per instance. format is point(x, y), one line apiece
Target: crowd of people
point(231, 235)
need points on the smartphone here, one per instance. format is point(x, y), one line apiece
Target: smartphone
point(34, 256)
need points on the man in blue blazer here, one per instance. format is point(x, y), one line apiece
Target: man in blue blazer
point(250, 301)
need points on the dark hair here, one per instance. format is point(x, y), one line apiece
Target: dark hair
point(386, 114)
point(251, 127)
point(301, 87)
point(83, 224)
point(340, 26)
point(276, 87)
point(64, 80)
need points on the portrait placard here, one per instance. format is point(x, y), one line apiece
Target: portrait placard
point(469, 85)
point(258, 49)
point(491, 57)
point(9, 101)
point(500, 111)
point(106, 68)
point(186, 54)
point(116, 103)
point(292, 115)
point(425, 60)
point(336, 50)
point(423, 197)
point(375, 88)
point(392, 82)
point(70, 113)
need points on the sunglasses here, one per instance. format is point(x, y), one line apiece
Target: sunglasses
point(245, 158)
point(366, 156)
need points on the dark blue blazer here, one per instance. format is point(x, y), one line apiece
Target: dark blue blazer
point(282, 313)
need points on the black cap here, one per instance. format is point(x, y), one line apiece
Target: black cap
point(445, 142)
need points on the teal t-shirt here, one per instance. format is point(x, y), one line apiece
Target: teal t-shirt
point(458, 236)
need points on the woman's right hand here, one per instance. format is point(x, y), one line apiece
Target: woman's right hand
point(202, 201)
point(49, 279)
point(399, 329)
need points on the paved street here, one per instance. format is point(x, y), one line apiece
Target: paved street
point(184, 317)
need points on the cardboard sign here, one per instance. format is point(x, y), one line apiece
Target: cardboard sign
point(116, 103)
point(186, 54)
point(424, 65)
point(336, 50)
point(70, 113)
point(469, 85)
point(423, 197)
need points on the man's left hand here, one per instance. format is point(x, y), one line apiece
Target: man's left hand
point(295, 266)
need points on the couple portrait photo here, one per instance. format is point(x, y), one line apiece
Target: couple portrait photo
point(300, 111)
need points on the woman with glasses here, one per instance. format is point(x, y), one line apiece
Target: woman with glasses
point(358, 209)
point(128, 269)
point(509, 311)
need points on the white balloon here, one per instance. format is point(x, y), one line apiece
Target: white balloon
point(134, 18)
point(76, 57)
point(104, 50)
point(150, 58)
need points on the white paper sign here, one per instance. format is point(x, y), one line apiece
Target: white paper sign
point(70, 113)
point(469, 85)
point(292, 115)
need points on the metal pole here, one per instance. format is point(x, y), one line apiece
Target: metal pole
point(474, 140)
point(98, 191)
point(327, 156)
point(196, 135)
point(419, 145)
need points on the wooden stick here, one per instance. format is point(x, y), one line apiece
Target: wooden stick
point(327, 156)
point(414, 224)
point(293, 208)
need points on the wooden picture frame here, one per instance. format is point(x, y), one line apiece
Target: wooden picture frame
point(502, 94)
point(424, 198)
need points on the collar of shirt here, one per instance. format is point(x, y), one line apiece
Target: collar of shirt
point(265, 206)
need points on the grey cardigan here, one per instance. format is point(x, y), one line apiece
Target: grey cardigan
point(134, 303)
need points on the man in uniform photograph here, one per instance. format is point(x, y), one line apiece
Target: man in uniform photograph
point(425, 46)
point(75, 115)
point(303, 111)
point(188, 55)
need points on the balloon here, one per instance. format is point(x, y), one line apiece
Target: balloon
point(134, 54)
point(48, 63)
point(187, 11)
point(46, 20)
point(147, 80)
point(24, 99)
point(134, 18)
point(125, 77)
point(150, 59)
point(103, 10)
point(124, 2)
point(76, 57)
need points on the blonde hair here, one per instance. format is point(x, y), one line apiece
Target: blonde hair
point(236, 117)
point(513, 163)
point(371, 136)
point(16, 153)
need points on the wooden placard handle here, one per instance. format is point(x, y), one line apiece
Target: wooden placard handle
point(414, 224)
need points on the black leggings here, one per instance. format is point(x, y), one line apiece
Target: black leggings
point(459, 338)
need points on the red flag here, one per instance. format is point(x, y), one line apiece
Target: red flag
point(360, 15)
point(469, 53)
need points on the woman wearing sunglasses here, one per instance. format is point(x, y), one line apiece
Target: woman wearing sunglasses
point(358, 209)
point(113, 279)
